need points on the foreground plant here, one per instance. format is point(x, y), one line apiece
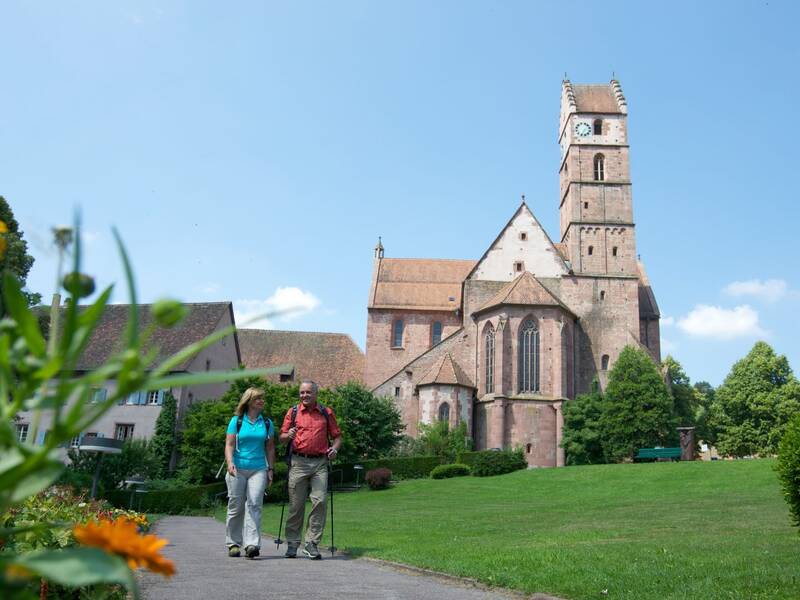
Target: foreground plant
point(39, 376)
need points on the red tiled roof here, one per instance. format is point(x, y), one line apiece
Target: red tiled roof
point(330, 359)
point(202, 320)
point(525, 289)
point(446, 371)
point(422, 284)
point(595, 98)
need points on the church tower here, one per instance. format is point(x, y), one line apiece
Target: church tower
point(595, 201)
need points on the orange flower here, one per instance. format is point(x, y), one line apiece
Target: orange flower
point(3, 242)
point(121, 537)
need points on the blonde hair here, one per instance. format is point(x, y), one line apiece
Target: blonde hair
point(249, 394)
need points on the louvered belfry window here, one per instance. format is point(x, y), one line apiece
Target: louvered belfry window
point(529, 357)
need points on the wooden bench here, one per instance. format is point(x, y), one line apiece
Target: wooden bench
point(658, 454)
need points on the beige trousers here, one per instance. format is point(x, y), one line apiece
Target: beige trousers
point(308, 478)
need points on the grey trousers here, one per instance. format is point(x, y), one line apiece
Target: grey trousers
point(308, 478)
point(245, 498)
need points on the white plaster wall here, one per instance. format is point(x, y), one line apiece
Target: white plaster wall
point(615, 131)
point(536, 253)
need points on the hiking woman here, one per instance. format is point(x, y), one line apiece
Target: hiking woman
point(250, 456)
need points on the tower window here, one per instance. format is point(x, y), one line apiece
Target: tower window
point(614, 251)
point(397, 334)
point(598, 126)
point(602, 295)
point(436, 333)
point(397, 391)
point(590, 250)
point(599, 167)
point(529, 357)
point(585, 205)
point(604, 362)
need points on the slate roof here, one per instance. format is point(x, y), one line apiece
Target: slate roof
point(446, 371)
point(420, 283)
point(202, 320)
point(598, 98)
point(525, 289)
point(330, 359)
point(648, 308)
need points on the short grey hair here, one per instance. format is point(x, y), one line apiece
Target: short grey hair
point(312, 383)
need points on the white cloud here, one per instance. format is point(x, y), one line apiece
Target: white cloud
point(211, 288)
point(721, 323)
point(286, 304)
point(667, 321)
point(89, 237)
point(769, 290)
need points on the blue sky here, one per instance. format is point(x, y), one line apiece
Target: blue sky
point(255, 151)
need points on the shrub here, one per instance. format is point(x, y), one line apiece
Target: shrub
point(493, 462)
point(378, 479)
point(168, 501)
point(788, 467)
point(447, 471)
point(406, 467)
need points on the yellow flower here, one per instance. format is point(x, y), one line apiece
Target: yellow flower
point(16, 572)
point(121, 537)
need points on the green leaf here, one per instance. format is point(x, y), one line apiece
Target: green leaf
point(182, 379)
point(18, 309)
point(77, 567)
point(132, 329)
point(18, 483)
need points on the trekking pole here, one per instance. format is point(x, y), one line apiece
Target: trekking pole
point(330, 484)
point(278, 540)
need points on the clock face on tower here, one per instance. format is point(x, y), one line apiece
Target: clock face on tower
point(583, 129)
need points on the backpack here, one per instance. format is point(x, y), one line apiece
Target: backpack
point(323, 410)
point(239, 421)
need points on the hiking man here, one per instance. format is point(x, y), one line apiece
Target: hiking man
point(314, 438)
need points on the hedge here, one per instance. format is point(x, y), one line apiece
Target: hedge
point(447, 471)
point(493, 462)
point(405, 467)
point(170, 502)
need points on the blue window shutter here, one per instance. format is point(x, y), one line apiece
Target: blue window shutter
point(160, 397)
point(102, 394)
point(142, 398)
point(40, 437)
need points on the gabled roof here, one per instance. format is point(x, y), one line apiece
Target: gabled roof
point(648, 308)
point(595, 98)
point(524, 290)
point(419, 283)
point(330, 359)
point(202, 320)
point(548, 243)
point(446, 371)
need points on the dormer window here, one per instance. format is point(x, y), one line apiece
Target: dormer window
point(598, 126)
point(523, 236)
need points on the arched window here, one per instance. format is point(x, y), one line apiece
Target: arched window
point(436, 333)
point(604, 362)
point(599, 167)
point(529, 357)
point(598, 126)
point(444, 412)
point(397, 334)
point(489, 359)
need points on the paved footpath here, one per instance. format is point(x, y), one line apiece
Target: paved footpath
point(205, 571)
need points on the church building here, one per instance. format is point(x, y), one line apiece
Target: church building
point(502, 342)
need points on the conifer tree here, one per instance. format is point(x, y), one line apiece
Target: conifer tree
point(15, 258)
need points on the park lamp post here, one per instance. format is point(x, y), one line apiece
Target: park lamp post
point(357, 469)
point(92, 443)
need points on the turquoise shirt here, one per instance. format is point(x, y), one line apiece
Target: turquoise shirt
point(249, 450)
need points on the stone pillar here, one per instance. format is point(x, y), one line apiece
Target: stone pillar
point(560, 459)
point(498, 429)
point(687, 442)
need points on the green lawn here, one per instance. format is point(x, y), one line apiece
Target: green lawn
point(659, 530)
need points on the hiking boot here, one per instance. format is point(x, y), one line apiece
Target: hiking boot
point(251, 552)
point(311, 551)
point(291, 551)
point(233, 552)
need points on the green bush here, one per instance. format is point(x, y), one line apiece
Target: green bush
point(379, 479)
point(452, 470)
point(493, 462)
point(168, 501)
point(406, 467)
point(788, 467)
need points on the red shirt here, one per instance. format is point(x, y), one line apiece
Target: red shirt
point(313, 429)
